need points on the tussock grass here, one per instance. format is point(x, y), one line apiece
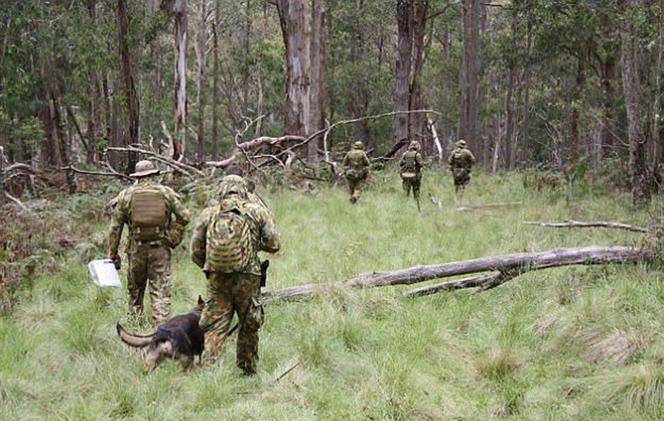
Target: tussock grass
point(567, 343)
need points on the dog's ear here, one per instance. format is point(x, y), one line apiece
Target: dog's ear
point(201, 303)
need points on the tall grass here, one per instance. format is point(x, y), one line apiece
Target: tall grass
point(565, 343)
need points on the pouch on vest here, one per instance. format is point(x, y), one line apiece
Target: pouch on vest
point(229, 246)
point(148, 215)
point(356, 174)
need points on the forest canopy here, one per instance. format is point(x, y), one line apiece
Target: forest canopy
point(550, 84)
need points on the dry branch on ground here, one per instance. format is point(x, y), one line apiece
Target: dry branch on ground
point(570, 223)
point(508, 266)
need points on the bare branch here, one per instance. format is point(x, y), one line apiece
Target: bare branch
point(180, 167)
point(96, 173)
point(569, 223)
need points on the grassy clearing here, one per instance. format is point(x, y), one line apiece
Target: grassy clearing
point(565, 343)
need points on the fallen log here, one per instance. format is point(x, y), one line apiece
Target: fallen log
point(488, 206)
point(570, 223)
point(509, 265)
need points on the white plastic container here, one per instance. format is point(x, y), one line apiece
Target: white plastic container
point(104, 274)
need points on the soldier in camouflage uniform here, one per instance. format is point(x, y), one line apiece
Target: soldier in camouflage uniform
point(356, 163)
point(410, 168)
point(237, 289)
point(461, 161)
point(147, 209)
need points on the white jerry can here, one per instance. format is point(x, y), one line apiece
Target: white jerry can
point(104, 274)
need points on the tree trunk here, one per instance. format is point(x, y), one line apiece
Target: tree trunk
point(632, 91)
point(201, 85)
point(469, 125)
point(525, 148)
point(317, 76)
point(510, 147)
point(402, 69)
point(575, 138)
point(607, 137)
point(215, 83)
point(2, 175)
point(360, 103)
point(178, 10)
point(417, 122)
point(128, 76)
point(295, 29)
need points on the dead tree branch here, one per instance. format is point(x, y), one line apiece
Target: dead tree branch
point(178, 166)
point(508, 266)
point(97, 173)
point(570, 223)
point(488, 206)
point(16, 201)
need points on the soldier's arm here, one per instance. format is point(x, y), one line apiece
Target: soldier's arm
point(118, 220)
point(345, 161)
point(269, 237)
point(471, 157)
point(182, 215)
point(419, 161)
point(365, 160)
point(198, 240)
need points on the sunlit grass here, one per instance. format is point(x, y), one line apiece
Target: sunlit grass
point(564, 343)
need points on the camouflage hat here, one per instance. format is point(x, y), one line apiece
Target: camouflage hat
point(233, 184)
point(461, 143)
point(144, 168)
point(358, 145)
point(414, 145)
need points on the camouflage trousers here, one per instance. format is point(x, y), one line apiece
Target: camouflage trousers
point(412, 183)
point(230, 293)
point(355, 186)
point(150, 265)
point(461, 176)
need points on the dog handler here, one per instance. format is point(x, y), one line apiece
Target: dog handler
point(225, 244)
point(148, 208)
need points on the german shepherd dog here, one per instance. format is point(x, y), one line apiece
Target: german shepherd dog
point(179, 338)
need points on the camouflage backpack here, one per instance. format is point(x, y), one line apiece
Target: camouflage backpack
point(409, 167)
point(148, 217)
point(229, 245)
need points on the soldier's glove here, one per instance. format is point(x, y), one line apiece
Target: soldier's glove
point(264, 265)
point(117, 261)
point(175, 235)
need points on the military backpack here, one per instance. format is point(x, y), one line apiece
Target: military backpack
point(409, 167)
point(229, 246)
point(149, 216)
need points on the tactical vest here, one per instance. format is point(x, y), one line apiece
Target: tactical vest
point(459, 159)
point(229, 246)
point(149, 216)
point(409, 167)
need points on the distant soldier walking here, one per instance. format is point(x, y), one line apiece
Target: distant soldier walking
point(225, 244)
point(356, 164)
point(148, 209)
point(461, 161)
point(410, 169)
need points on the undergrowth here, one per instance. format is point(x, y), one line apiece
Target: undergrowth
point(566, 343)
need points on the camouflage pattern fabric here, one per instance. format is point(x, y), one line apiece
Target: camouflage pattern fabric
point(230, 294)
point(410, 170)
point(356, 163)
point(149, 262)
point(461, 161)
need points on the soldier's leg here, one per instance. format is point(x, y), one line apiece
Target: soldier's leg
point(359, 186)
point(159, 284)
point(406, 186)
point(352, 187)
point(217, 315)
point(416, 187)
point(250, 311)
point(137, 276)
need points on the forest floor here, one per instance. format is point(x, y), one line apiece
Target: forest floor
point(566, 343)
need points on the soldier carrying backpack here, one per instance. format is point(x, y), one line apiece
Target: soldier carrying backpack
point(148, 209)
point(225, 244)
point(410, 169)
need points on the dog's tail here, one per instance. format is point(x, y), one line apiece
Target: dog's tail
point(132, 340)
